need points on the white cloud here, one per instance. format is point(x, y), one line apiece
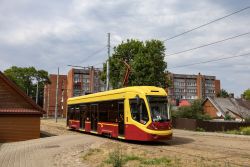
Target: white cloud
point(48, 34)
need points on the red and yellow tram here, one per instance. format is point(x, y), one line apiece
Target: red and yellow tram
point(131, 113)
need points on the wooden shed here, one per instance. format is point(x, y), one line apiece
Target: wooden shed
point(19, 114)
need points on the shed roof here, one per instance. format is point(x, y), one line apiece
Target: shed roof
point(14, 101)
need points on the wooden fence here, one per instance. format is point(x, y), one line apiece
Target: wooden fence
point(210, 126)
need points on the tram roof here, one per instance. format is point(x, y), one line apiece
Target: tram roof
point(149, 90)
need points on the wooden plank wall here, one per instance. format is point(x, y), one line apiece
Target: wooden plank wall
point(19, 127)
point(11, 99)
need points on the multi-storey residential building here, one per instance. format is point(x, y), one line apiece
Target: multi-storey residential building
point(192, 87)
point(78, 82)
point(84, 81)
point(50, 96)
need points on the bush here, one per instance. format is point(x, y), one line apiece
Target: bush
point(245, 130)
point(228, 117)
point(200, 129)
point(247, 119)
point(241, 131)
point(195, 111)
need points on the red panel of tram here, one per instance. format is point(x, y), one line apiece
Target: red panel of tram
point(74, 124)
point(160, 126)
point(87, 126)
point(134, 133)
point(108, 128)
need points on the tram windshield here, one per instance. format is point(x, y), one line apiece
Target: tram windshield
point(158, 108)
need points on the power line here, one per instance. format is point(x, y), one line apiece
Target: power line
point(93, 54)
point(223, 40)
point(213, 60)
point(203, 25)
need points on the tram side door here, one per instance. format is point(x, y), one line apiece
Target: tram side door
point(94, 115)
point(121, 119)
point(83, 112)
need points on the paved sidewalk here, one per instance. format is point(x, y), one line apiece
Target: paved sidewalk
point(46, 152)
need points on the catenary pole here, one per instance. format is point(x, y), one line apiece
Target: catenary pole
point(108, 72)
point(37, 91)
point(48, 102)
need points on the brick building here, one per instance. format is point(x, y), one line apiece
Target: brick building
point(78, 82)
point(84, 81)
point(219, 108)
point(192, 87)
point(50, 96)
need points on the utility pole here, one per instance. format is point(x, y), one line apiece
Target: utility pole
point(56, 107)
point(62, 98)
point(107, 80)
point(48, 107)
point(37, 92)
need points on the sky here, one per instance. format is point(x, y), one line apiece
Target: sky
point(49, 34)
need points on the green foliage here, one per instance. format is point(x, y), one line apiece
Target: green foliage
point(200, 129)
point(246, 94)
point(131, 158)
point(228, 117)
point(247, 119)
point(27, 77)
point(241, 131)
point(156, 161)
point(245, 130)
point(223, 93)
point(146, 60)
point(195, 111)
point(116, 158)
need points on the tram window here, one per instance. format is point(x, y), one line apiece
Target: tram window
point(77, 113)
point(108, 111)
point(83, 111)
point(103, 112)
point(113, 111)
point(88, 112)
point(71, 112)
point(139, 111)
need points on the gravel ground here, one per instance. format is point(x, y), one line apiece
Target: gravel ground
point(187, 148)
point(50, 126)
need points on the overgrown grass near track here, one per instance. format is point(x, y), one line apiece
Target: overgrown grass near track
point(113, 154)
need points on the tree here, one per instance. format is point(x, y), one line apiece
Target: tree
point(146, 60)
point(223, 93)
point(27, 78)
point(246, 94)
point(195, 111)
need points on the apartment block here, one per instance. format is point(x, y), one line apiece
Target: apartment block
point(84, 81)
point(50, 96)
point(192, 87)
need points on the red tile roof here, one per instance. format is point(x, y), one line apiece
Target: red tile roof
point(184, 103)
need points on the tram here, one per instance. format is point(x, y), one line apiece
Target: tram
point(132, 113)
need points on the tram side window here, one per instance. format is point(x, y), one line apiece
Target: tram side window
point(108, 111)
point(83, 111)
point(139, 111)
point(113, 111)
point(71, 112)
point(103, 112)
point(77, 113)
